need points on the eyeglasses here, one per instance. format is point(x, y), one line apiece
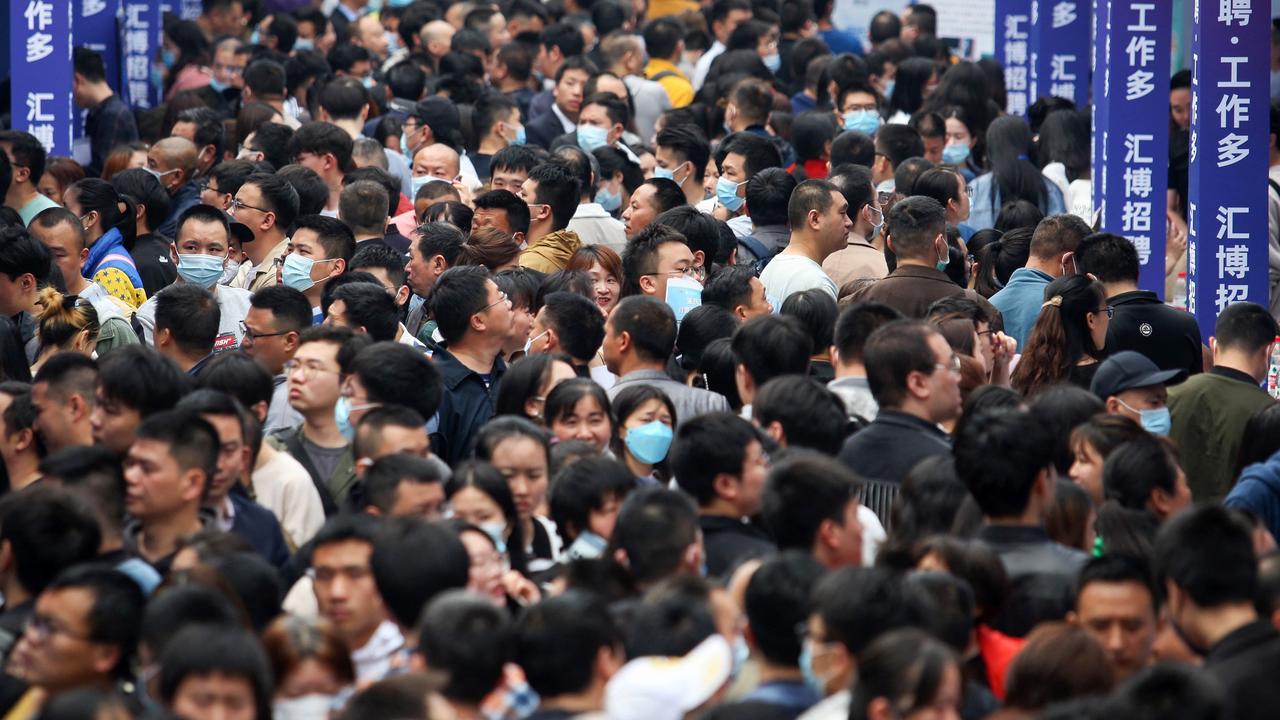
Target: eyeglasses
point(41, 628)
point(968, 190)
point(228, 69)
point(254, 337)
point(1110, 310)
point(307, 371)
point(953, 366)
point(502, 298)
point(678, 272)
point(237, 204)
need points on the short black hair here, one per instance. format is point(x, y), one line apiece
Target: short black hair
point(363, 206)
point(336, 238)
point(395, 373)
point(776, 602)
point(272, 140)
point(229, 175)
point(238, 375)
point(728, 287)
point(200, 650)
point(858, 605)
point(816, 310)
point(370, 306)
point(515, 208)
point(93, 472)
point(898, 143)
point(22, 254)
point(521, 158)
point(458, 294)
point(577, 322)
point(27, 152)
point(138, 377)
point(382, 479)
point(408, 578)
point(811, 416)
point(768, 193)
point(1117, 568)
point(1245, 326)
point(1136, 468)
point(769, 346)
point(344, 55)
point(442, 239)
point(1207, 552)
point(48, 530)
point(687, 142)
point(999, 454)
point(278, 196)
point(584, 486)
point(470, 640)
point(289, 308)
point(343, 98)
point(321, 138)
point(808, 196)
point(700, 230)
point(558, 641)
point(265, 78)
point(706, 446)
point(651, 324)
point(655, 528)
point(209, 128)
point(640, 257)
point(116, 615)
point(803, 490)
point(558, 188)
point(191, 315)
point(193, 442)
point(205, 214)
point(89, 64)
point(371, 425)
point(914, 223)
point(757, 152)
point(855, 324)
point(381, 256)
point(661, 38)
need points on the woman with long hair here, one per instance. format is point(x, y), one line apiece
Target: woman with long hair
point(110, 227)
point(1067, 339)
point(1063, 150)
point(915, 81)
point(1013, 175)
point(907, 674)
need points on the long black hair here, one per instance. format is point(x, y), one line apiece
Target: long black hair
point(1011, 156)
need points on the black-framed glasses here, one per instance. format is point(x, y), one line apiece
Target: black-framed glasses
point(41, 628)
point(237, 203)
point(254, 337)
point(1110, 310)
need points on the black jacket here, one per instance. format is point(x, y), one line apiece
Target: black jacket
point(1169, 337)
point(467, 405)
point(891, 445)
point(543, 129)
point(729, 541)
point(1042, 576)
point(1244, 662)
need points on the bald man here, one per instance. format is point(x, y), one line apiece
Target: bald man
point(437, 37)
point(369, 34)
point(438, 161)
point(173, 162)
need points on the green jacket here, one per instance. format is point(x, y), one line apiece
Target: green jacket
point(1209, 413)
point(114, 333)
point(333, 489)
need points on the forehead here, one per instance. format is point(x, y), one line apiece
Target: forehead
point(249, 192)
point(184, 129)
point(318, 350)
point(860, 98)
point(674, 251)
point(343, 552)
point(1101, 595)
point(149, 449)
point(575, 76)
point(202, 231)
point(644, 194)
point(227, 426)
point(306, 237)
point(734, 160)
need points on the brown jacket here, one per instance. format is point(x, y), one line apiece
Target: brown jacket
point(911, 289)
point(552, 252)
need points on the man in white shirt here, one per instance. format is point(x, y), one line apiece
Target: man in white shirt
point(725, 17)
point(820, 225)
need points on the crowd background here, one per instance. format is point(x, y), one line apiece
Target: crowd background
point(613, 359)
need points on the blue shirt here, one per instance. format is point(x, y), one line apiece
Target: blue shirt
point(1019, 302)
point(791, 696)
point(984, 204)
point(841, 41)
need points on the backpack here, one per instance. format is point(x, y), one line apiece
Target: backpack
point(757, 248)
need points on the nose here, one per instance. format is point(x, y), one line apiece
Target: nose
point(583, 433)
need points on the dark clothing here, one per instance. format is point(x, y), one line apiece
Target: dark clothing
point(540, 103)
point(186, 196)
point(1169, 337)
point(1258, 492)
point(1209, 414)
point(523, 97)
point(891, 445)
point(542, 130)
point(397, 241)
point(481, 164)
point(552, 714)
point(728, 541)
point(822, 371)
point(791, 696)
point(911, 289)
point(150, 255)
point(467, 404)
point(1082, 375)
point(1244, 662)
point(257, 525)
point(108, 124)
point(12, 623)
point(1042, 576)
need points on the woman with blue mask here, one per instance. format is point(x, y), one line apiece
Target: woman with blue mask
point(961, 148)
point(478, 495)
point(646, 419)
point(185, 58)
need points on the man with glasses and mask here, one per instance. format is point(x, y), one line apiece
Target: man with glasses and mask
point(173, 162)
point(475, 319)
point(200, 253)
point(915, 378)
point(321, 443)
point(267, 205)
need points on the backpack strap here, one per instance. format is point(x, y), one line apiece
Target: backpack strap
point(662, 75)
point(293, 444)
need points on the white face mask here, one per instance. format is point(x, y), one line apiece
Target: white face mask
point(307, 707)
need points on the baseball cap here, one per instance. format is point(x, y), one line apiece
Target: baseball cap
point(239, 230)
point(667, 688)
point(441, 116)
point(1127, 370)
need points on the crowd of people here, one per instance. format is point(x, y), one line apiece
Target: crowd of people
point(614, 359)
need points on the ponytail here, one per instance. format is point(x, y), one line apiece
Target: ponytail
point(1044, 360)
point(116, 211)
point(62, 317)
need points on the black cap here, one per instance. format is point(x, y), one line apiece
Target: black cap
point(1127, 370)
point(239, 231)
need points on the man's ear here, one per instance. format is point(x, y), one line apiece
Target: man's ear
point(193, 484)
point(648, 284)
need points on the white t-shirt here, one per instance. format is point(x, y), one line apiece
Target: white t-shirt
point(787, 274)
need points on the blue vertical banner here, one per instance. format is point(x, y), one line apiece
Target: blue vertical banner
point(40, 56)
point(1230, 127)
point(1013, 51)
point(1059, 50)
point(1099, 67)
point(1131, 129)
point(140, 29)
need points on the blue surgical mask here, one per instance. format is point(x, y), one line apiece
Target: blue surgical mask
point(727, 194)
point(773, 62)
point(741, 654)
point(418, 181)
point(256, 37)
point(342, 415)
point(1156, 422)
point(168, 58)
point(888, 87)
point(217, 87)
point(811, 678)
point(955, 154)
point(202, 270)
point(941, 265)
point(610, 201)
point(368, 82)
point(303, 44)
point(297, 272)
point(497, 532)
point(591, 137)
point(649, 442)
point(664, 173)
point(863, 121)
point(587, 546)
point(521, 138)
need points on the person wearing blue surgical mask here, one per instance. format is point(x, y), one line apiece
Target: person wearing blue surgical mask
point(318, 251)
point(731, 187)
point(1131, 384)
point(229, 60)
point(859, 109)
point(599, 124)
point(496, 118)
point(643, 433)
point(200, 253)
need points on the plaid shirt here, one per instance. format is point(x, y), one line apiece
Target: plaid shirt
point(513, 699)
